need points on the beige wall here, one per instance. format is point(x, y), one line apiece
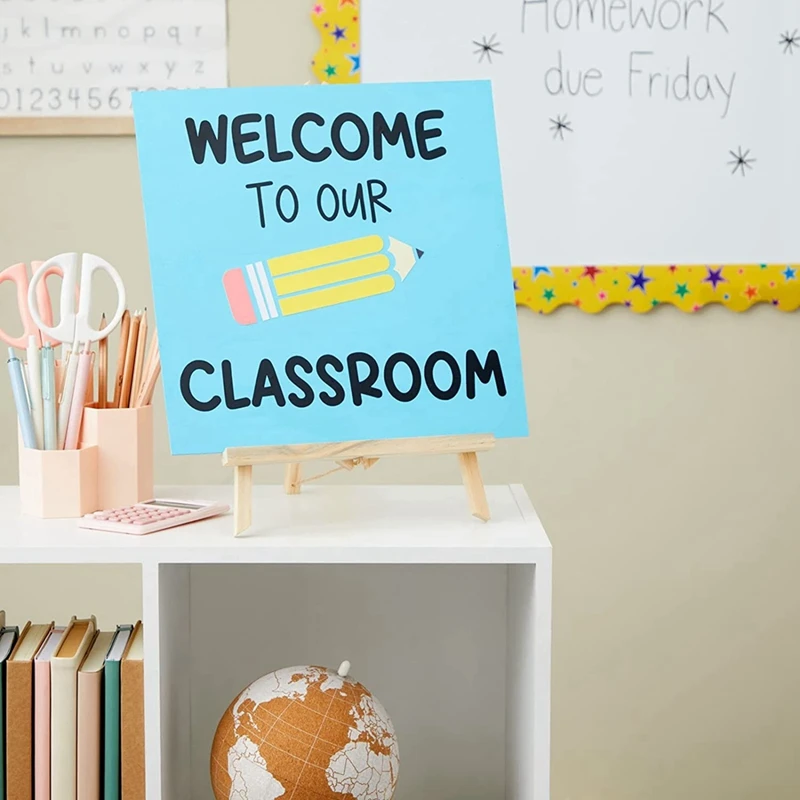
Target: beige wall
point(662, 458)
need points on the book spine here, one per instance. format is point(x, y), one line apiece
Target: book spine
point(2, 730)
point(111, 749)
point(64, 703)
point(89, 730)
point(19, 728)
point(41, 731)
point(132, 730)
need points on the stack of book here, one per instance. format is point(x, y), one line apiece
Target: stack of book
point(71, 712)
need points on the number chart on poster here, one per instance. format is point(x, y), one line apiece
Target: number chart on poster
point(84, 58)
point(631, 131)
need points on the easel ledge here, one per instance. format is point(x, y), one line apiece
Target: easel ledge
point(349, 455)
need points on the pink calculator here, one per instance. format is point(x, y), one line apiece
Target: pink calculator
point(150, 516)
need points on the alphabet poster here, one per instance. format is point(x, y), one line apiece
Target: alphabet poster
point(329, 263)
point(632, 132)
point(84, 58)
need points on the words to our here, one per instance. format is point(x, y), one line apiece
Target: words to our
point(402, 377)
point(348, 135)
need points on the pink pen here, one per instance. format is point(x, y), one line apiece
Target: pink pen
point(78, 400)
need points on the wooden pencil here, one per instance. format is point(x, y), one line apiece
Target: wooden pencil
point(124, 331)
point(130, 357)
point(147, 396)
point(138, 362)
point(149, 365)
point(102, 367)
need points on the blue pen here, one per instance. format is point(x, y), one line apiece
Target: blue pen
point(49, 397)
point(21, 400)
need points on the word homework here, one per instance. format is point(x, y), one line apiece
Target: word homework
point(85, 58)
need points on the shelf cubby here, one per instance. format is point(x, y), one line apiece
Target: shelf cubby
point(446, 619)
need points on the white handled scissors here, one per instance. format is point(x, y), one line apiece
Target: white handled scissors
point(73, 326)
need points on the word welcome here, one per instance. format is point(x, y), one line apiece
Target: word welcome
point(312, 137)
point(401, 377)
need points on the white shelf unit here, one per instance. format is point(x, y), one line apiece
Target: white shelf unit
point(446, 619)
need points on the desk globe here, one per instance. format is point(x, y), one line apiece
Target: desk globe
point(305, 733)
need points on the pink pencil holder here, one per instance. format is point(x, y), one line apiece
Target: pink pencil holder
point(58, 483)
point(124, 441)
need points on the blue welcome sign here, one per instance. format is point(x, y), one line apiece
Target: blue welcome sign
point(329, 263)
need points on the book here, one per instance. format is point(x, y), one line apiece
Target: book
point(132, 718)
point(64, 706)
point(8, 638)
point(41, 713)
point(111, 713)
point(19, 711)
point(90, 715)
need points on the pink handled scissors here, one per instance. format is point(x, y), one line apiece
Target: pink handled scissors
point(18, 274)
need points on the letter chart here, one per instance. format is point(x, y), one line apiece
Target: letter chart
point(84, 58)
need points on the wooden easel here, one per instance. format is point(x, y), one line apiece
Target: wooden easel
point(349, 455)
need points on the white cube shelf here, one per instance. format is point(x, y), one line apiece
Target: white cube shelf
point(446, 619)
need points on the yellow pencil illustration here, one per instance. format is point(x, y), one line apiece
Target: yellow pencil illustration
point(318, 278)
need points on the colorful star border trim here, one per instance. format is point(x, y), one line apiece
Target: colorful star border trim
point(338, 59)
point(590, 288)
point(643, 288)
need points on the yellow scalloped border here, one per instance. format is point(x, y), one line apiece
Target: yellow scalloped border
point(688, 288)
point(589, 288)
point(338, 59)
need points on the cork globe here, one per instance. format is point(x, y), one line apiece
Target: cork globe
point(305, 733)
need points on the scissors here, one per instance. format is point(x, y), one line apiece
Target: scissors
point(18, 275)
point(74, 326)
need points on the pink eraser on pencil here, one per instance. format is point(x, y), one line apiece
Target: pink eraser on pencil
point(235, 285)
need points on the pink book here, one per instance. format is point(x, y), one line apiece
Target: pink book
point(90, 714)
point(41, 715)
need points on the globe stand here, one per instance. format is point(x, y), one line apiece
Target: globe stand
point(348, 456)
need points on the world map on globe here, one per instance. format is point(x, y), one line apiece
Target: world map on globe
point(305, 733)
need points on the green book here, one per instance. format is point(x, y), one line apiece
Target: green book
point(111, 713)
point(8, 638)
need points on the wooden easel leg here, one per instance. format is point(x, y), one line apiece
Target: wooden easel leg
point(473, 483)
point(242, 498)
point(291, 480)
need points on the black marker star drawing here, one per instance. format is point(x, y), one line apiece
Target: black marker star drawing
point(560, 124)
point(789, 41)
point(741, 161)
point(487, 48)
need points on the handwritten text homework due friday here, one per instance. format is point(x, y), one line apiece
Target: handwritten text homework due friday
point(647, 74)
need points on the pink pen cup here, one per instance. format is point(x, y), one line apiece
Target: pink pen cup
point(58, 483)
point(124, 441)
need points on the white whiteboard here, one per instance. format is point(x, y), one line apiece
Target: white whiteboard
point(637, 178)
point(83, 58)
